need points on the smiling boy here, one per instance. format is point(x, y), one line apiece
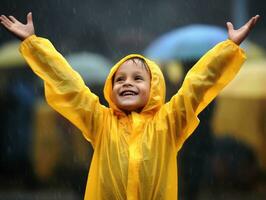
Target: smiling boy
point(131, 85)
point(135, 139)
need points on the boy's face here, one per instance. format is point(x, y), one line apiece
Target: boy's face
point(131, 86)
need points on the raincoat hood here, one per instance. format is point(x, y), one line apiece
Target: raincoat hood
point(157, 86)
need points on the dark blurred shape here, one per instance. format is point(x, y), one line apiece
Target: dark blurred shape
point(233, 165)
point(17, 102)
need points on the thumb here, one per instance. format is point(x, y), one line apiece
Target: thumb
point(29, 18)
point(230, 26)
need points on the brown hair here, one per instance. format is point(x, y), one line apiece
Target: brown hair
point(143, 62)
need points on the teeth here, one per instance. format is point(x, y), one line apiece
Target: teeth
point(128, 93)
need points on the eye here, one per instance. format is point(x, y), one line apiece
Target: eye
point(138, 78)
point(119, 79)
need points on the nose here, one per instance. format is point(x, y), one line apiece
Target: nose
point(127, 83)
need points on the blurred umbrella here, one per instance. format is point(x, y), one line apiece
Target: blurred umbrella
point(186, 43)
point(241, 111)
point(9, 55)
point(253, 50)
point(249, 83)
point(93, 68)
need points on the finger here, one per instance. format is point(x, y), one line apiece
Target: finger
point(6, 20)
point(29, 17)
point(13, 19)
point(256, 19)
point(5, 24)
point(251, 22)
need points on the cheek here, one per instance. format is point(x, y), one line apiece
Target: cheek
point(148, 90)
point(113, 96)
point(146, 94)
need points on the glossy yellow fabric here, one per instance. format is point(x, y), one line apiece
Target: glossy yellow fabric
point(135, 155)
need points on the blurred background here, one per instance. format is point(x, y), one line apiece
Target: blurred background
point(42, 156)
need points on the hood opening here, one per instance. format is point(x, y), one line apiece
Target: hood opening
point(157, 85)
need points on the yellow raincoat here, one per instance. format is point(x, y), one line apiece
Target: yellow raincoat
point(135, 155)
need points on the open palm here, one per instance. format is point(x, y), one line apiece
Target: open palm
point(240, 34)
point(22, 31)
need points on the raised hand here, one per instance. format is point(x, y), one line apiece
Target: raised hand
point(22, 31)
point(237, 36)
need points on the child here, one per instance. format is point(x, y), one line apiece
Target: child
point(137, 139)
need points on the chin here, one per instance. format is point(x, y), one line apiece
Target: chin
point(130, 108)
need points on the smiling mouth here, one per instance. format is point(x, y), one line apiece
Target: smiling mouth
point(128, 93)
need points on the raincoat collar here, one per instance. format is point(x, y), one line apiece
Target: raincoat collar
point(157, 90)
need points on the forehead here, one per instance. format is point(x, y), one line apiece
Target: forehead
point(133, 65)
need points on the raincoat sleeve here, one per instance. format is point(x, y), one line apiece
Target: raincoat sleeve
point(201, 85)
point(65, 90)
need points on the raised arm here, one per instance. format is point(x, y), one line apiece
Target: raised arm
point(204, 82)
point(20, 30)
point(65, 91)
